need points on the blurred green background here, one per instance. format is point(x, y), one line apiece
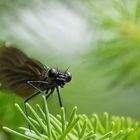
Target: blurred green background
point(99, 41)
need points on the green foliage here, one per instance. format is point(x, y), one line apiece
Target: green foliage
point(45, 126)
point(105, 78)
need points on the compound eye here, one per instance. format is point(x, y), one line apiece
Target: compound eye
point(68, 76)
point(52, 73)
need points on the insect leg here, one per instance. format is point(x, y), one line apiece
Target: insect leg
point(59, 97)
point(31, 84)
point(47, 96)
point(26, 111)
point(32, 96)
point(28, 100)
point(39, 92)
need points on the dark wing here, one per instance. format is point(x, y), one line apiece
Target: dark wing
point(16, 69)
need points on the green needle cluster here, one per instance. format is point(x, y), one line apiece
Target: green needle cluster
point(45, 126)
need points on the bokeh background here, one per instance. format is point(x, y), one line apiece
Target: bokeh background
point(99, 41)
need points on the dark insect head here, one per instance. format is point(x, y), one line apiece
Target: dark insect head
point(58, 77)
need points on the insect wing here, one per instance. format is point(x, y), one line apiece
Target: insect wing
point(16, 69)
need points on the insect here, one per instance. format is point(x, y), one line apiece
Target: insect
point(28, 77)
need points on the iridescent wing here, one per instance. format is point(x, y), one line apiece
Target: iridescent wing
point(16, 69)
